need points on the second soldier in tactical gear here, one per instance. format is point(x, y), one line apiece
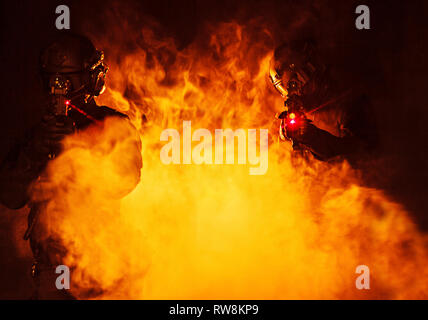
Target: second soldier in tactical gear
point(320, 117)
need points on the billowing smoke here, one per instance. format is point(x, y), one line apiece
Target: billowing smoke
point(214, 231)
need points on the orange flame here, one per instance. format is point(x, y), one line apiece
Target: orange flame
point(214, 231)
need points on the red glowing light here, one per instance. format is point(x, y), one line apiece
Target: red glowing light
point(67, 102)
point(292, 121)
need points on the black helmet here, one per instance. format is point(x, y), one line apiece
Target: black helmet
point(296, 70)
point(72, 68)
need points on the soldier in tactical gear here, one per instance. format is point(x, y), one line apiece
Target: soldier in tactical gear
point(73, 73)
point(319, 117)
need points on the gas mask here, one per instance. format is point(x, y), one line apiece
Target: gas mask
point(73, 72)
point(291, 80)
point(297, 70)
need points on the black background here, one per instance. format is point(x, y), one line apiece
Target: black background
point(390, 60)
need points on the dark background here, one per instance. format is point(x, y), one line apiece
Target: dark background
point(390, 60)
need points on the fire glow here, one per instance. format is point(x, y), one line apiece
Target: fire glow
point(215, 232)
